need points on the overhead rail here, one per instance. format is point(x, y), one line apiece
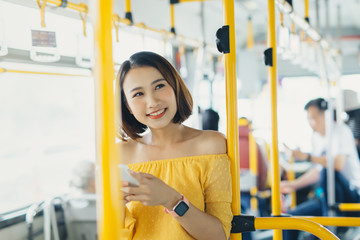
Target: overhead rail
point(180, 1)
point(172, 14)
point(5, 70)
point(117, 20)
point(81, 7)
point(303, 24)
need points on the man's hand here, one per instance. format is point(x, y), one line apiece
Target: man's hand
point(286, 187)
point(296, 153)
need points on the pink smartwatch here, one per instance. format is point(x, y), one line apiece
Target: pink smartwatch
point(180, 208)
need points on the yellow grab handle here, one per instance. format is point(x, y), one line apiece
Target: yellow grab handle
point(294, 223)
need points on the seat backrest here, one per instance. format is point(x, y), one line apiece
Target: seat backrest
point(244, 157)
point(244, 147)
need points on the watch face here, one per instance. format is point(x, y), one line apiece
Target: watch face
point(181, 208)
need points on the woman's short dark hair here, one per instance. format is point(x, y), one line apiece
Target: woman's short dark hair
point(132, 127)
point(319, 103)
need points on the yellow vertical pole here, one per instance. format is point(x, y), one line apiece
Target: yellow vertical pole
point(231, 111)
point(291, 177)
point(127, 5)
point(275, 187)
point(250, 37)
point(107, 178)
point(172, 18)
point(128, 13)
point(253, 164)
point(306, 2)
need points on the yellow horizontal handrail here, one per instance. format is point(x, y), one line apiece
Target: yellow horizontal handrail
point(289, 223)
point(162, 32)
point(195, 0)
point(349, 206)
point(81, 7)
point(84, 8)
point(4, 70)
point(335, 221)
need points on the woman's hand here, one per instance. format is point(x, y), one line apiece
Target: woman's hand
point(151, 191)
point(124, 187)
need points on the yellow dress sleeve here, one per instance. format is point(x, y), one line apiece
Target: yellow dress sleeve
point(217, 189)
point(129, 225)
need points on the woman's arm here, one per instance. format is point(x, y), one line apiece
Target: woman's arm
point(201, 225)
point(152, 192)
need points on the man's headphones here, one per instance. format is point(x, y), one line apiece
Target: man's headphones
point(319, 103)
point(323, 105)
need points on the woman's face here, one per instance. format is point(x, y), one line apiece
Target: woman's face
point(149, 96)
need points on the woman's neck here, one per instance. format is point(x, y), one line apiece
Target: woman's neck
point(174, 133)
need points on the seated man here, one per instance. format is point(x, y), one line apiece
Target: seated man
point(352, 109)
point(346, 163)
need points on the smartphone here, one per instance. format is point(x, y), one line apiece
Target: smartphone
point(126, 176)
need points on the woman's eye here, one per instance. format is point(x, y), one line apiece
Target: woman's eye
point(159, 86)
point(137, 94)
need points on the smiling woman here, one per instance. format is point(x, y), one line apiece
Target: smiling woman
point(149, 99)
point(147, 62)
point(181, 170)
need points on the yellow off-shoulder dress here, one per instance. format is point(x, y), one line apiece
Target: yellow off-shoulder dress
point(204, 180)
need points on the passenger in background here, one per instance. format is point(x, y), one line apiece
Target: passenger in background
point(346, 162)
point(83, 177)
point(210, 120)
point(181, 171)
point(352, 108)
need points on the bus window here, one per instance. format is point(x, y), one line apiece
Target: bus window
point(47, 126)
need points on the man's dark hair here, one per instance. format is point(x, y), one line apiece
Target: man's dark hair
point(319, 103)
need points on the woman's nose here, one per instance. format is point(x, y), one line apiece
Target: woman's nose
point(152, 101)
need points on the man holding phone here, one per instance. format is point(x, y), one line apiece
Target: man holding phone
point(346, 164)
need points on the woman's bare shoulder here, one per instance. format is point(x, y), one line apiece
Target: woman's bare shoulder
point(126, 150)
point(212, 142)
